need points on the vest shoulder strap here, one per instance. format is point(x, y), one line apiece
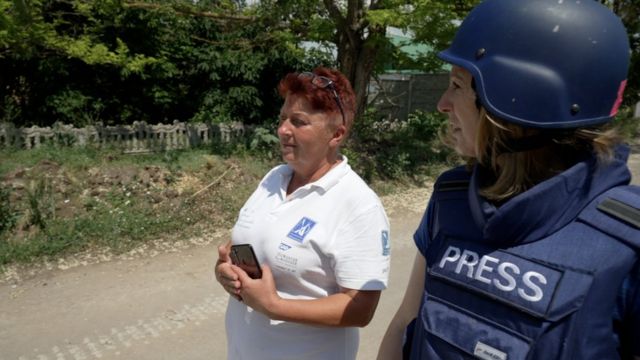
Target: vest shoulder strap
point(617, 213)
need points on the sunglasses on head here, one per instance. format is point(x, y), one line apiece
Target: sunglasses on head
point(324, 82)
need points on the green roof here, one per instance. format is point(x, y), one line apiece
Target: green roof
point(413, 50)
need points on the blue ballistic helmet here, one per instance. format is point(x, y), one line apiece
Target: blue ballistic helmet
point(551, 64)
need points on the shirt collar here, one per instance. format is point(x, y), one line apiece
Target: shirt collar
point(326, 182)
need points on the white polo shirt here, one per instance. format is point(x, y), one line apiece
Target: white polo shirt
point(329, 234)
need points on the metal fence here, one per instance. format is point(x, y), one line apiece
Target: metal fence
point(135, 138)
point(395, 96)
point(398, 95)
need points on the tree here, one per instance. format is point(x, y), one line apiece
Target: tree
point(211, 60)
point(82, 61)
point(41, 41)
point(360, 36)
point(629, 12)
point(358, 29)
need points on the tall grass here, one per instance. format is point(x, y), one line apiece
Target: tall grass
point(53, 200)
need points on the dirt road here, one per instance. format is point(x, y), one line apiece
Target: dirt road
point(158, 302)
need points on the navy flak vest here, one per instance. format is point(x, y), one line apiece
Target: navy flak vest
point(536, 278)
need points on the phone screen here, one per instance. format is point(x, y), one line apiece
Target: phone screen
point(244, 257)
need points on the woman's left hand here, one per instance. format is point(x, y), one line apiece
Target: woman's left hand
point(259, 294)
point(346, 308)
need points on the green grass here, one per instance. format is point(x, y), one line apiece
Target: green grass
point(60, 200)
point(87, 157)
point(64, 205)
point(111, 222)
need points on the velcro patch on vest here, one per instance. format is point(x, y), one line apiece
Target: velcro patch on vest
point(453, 185)
point(621, 210)
point(617, 213)
point(523, 283)
point(486, 352)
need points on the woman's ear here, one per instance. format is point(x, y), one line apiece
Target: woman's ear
point(338, 135)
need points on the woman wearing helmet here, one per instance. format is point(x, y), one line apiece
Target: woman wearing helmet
point(531, 251)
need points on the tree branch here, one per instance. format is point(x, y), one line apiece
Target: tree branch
point(241, 43)
point(183, 11)
point(257, 42)
point(355, 16)
point(334, 12)
point(374, 5)
point(342, 23)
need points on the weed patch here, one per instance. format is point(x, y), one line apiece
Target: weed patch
point(82, 199)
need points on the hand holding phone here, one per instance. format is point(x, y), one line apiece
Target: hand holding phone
point(245, 258)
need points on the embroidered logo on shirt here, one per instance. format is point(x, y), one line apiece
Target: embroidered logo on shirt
point(302, 228)
point(284, 247)
point(386, 245)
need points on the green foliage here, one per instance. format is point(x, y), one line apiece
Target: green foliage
point(378, 148)
point(629, 12)
point(119, 222)
point(259, 142)
point(73, 107)
point(392, 149)
point(264, 143)
point(394, 15)
point(434, 23)
point(41, 207)
point(67, 205)
point(123, 220)
point(11, 111)
point(212, 61)
point(78, 61)
point(627, 125)
point(75, 158)
point(8, 213)
point(66, 210)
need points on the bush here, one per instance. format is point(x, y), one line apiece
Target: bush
point(378, 149)
point(75, 108)
point(392, 149)
point(263, 142)
point(259, 141)
point(41, 203)
point(8, 214)
point(627, 124)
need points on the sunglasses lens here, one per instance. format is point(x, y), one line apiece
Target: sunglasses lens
point(321, 81)
point(306, 74)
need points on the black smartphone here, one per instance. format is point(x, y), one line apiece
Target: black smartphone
point(244, 257)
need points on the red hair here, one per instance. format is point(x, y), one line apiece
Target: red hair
point(322, 99)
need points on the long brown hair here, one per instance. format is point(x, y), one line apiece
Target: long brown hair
point(517, 171)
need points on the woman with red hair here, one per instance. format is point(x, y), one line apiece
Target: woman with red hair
point(319, 231)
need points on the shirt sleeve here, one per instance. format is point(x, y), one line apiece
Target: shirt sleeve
point(362, 251)
point(422, 236)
